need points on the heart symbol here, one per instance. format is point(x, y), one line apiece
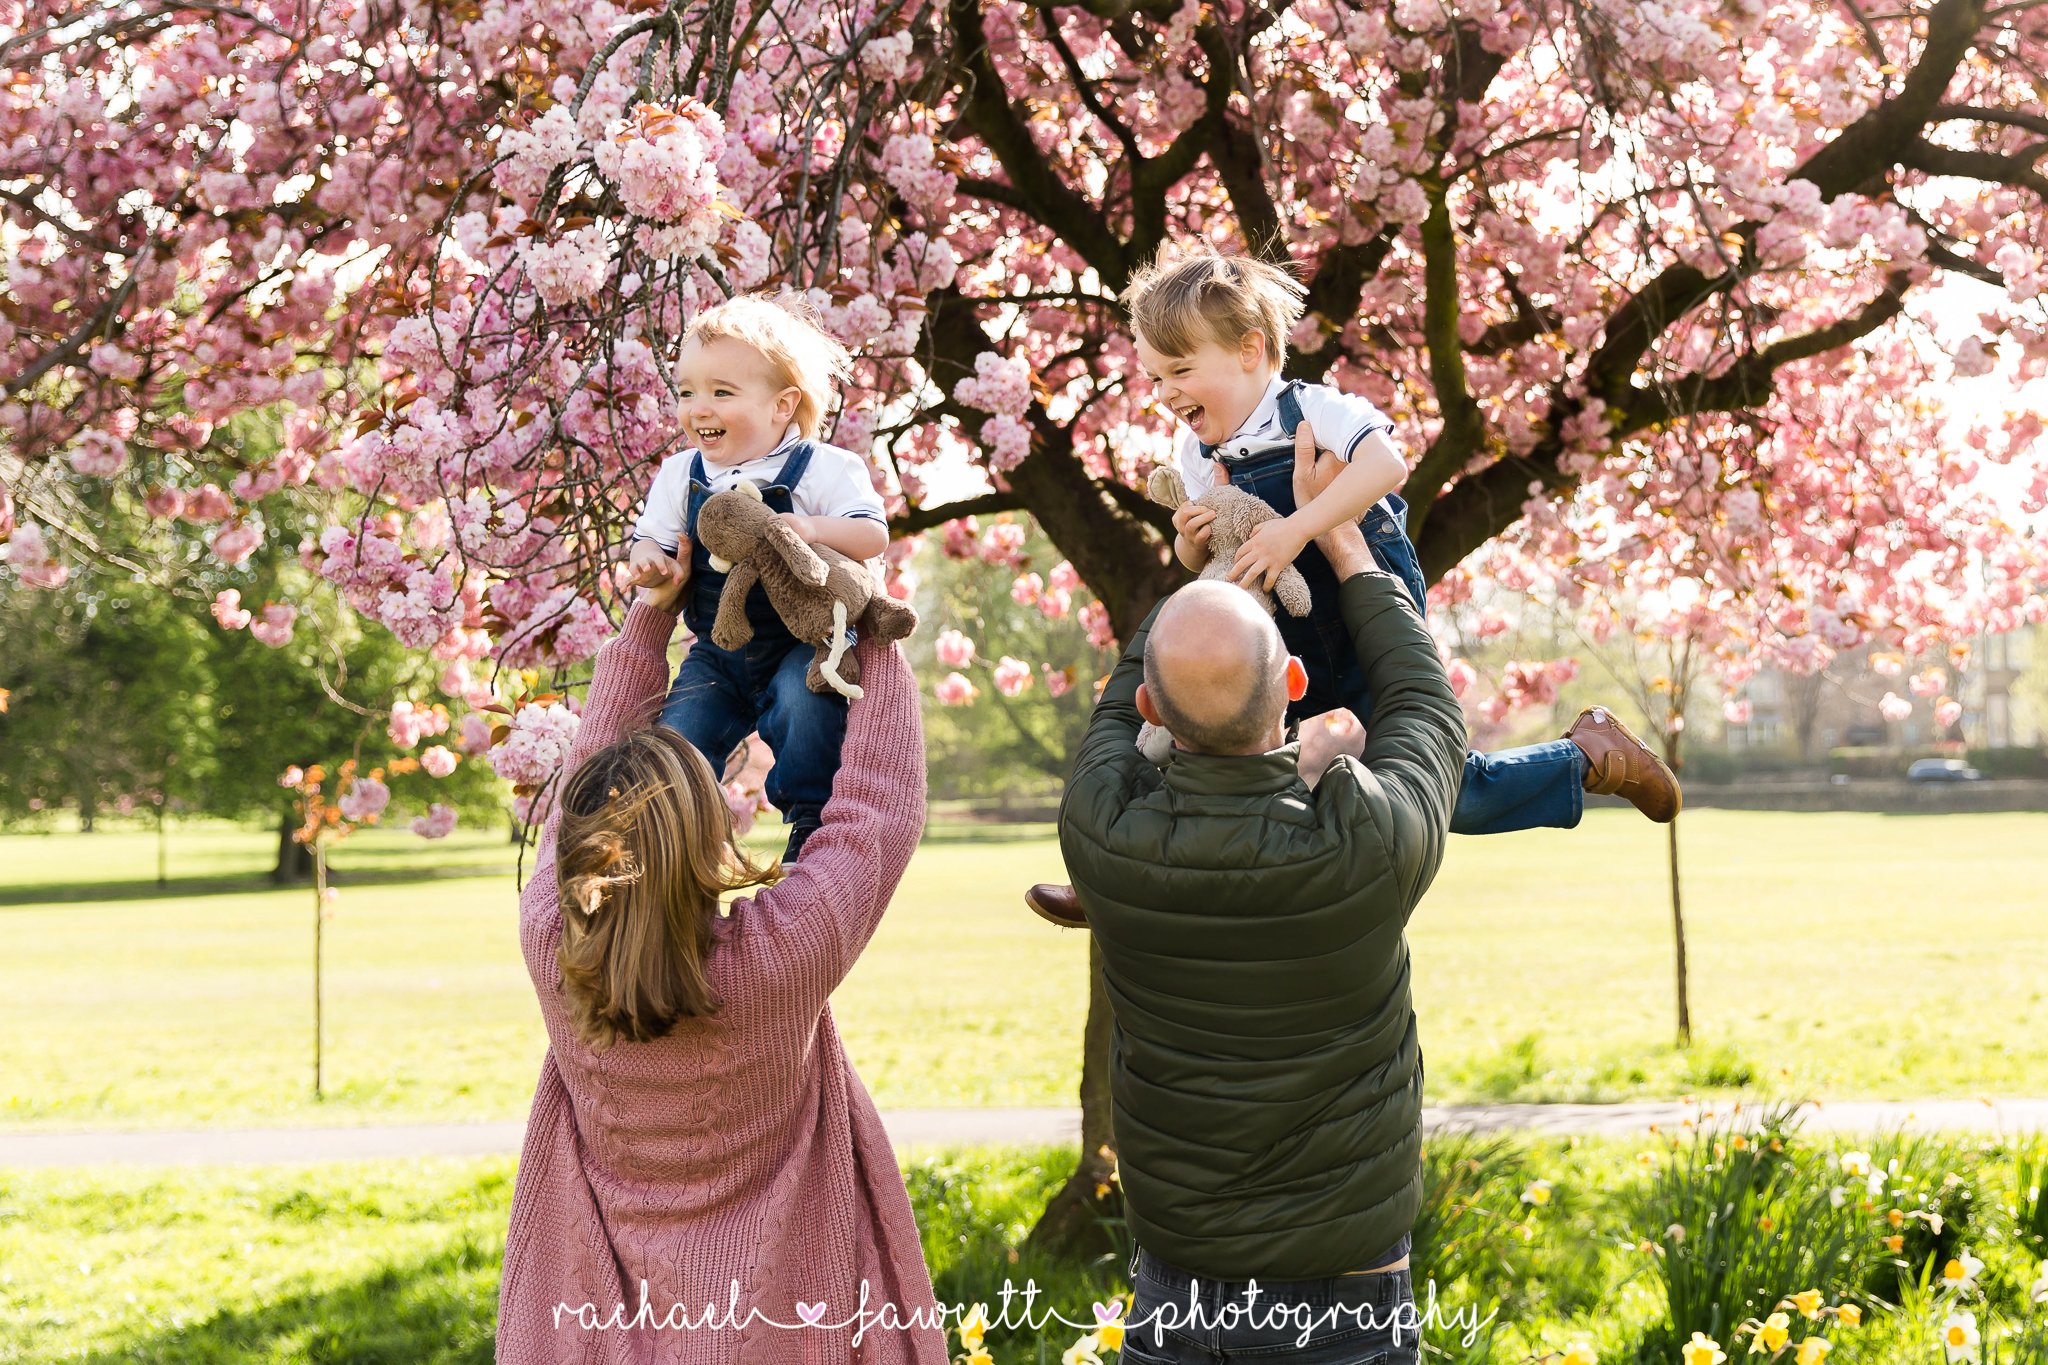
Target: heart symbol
point(811, 1313)
point(1106, 1313)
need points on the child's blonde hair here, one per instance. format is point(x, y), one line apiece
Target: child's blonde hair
point(785, 330)
point(1189, 295)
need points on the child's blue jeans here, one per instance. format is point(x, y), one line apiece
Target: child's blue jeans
point(720, 696)
point(1536, 786)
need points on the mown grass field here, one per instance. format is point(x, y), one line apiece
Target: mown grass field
point(1831, 955)
point(1531, 1246)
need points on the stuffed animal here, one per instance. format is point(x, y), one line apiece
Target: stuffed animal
point(1238, 514)
point(817, 591)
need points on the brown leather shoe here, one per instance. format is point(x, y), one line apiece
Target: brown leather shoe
point(1056, 902)
point(1619, 764)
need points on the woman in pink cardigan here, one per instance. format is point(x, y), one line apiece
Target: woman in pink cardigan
point(697, 1127)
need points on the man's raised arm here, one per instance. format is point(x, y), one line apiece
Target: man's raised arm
point(1113, 728)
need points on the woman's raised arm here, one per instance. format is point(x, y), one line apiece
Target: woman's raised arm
point(832, 899)
point(627, 683)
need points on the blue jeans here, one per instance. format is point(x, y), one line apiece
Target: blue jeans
point(721, 696)
point(1178, 1319)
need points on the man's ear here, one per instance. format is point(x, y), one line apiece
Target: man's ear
point(1148, 709)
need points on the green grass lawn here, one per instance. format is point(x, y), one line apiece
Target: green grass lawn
point(1837, 954)
point(396, 1263)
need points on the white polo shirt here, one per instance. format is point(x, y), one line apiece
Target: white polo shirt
point(1339, 420)
point(836, 484)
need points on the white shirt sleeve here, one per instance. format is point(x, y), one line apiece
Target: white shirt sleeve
point(1197, 471)
point(837, 484)
point(1340, 420)
point(668, 503)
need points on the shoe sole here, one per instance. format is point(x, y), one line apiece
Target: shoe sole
point(1050, 918)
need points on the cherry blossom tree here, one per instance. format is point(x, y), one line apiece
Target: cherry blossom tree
point(1616, 268)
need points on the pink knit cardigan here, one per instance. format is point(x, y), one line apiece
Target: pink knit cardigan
point(737, 1166)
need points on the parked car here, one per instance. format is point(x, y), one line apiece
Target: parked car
point(1942, 770)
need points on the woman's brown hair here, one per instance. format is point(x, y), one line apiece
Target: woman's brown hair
point(643, 853)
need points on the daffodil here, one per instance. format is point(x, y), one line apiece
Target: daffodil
point(1808, 1302)
point(2038, 1292)
point(1895, 1243)
point(1771, 1333)
point(1538, 1193)
point(1578, 1351)
point(974, 1326)
point(1702, 1350)
point(1856, 1165)
point(1960, 1274)
point(1897, 1218)
point(1959, 1336)
point(977, 1356)
point(1813, 1350)
point(1849, 1315)
point(1111, 1335)
point(1082, 1352)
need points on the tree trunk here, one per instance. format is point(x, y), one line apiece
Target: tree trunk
point(294, 860)
point(163, 853)
point(1076, 1221)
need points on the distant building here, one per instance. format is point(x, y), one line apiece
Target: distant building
point(2004, 690)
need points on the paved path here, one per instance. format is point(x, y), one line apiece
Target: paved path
point(922, 1127)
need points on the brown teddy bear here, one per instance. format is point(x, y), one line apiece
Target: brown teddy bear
point(1238, 514)
point(817, 591)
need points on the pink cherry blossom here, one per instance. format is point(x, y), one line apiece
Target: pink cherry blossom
point(228, 609)
point(1947, 712)
point(438, 760)
point(1737, 711)
point(954, 649)
point(274, 626)
point(411, 722)
point(1894, 707)
point(364, 800)
point(437, 823)
point(99, 455)
point(1012, 676)
point(1058, 681)
point(1025, 591)
point(537, 745)
point(954, 690)
point(1929, 682)
point(235, 542)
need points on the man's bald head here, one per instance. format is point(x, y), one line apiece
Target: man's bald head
point(1215, 670)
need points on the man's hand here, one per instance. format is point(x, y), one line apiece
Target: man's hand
point(1315, 470)
point(1191, 522)
point(650, 565)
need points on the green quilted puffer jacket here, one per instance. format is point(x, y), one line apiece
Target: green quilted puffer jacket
point(1265, 1072)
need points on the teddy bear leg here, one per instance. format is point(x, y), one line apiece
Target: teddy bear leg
point(829, 665)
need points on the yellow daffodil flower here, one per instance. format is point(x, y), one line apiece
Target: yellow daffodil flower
point(1702, 1350)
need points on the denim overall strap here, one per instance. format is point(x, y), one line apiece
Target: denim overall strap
point(1290, 407)
point(707, 584)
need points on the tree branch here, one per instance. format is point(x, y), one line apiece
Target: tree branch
point(919, 519)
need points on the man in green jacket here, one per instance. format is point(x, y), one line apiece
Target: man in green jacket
point(1264, 1068)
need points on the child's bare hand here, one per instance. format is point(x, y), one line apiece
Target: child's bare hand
point(805, 528)
point(1266, 553)
point(1191, 522)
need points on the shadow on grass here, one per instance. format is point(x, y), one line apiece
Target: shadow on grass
point(439, 1310)
point(241, 884)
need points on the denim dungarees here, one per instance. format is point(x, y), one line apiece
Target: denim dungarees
point(720, 696)
point(1538, 785)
